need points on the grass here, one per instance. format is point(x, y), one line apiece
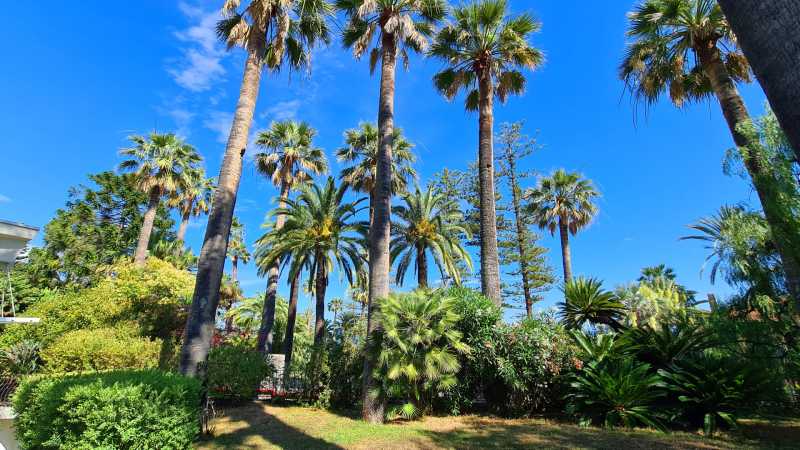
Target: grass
point(262, 426)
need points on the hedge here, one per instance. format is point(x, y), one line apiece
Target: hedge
point(101, 349)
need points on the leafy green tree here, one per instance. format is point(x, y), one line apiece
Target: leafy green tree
point(275, 34)
point(162, 164)
point(237, 248)
point(193, 199)
point(564, 202)
point(398, 26)
point(484, 49)
point(586, 302)
point(289, 160)
point(428, 223)
point(686, 49)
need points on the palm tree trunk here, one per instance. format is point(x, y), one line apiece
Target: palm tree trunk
point(767, 33)
point(380, 231)
point(291, 318)
point(566, 257)
point(521, 232)
point(490, 265)
point(265, 331)
point(147, 228)
point(234, 268)
point(202, 314)
point(422, 267)
point(321, 284)
point(183, 226)
point(781, 222)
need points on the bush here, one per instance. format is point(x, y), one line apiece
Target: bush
point(235, 372)
point(101, 349)
point(128, 409)
point(22, 358)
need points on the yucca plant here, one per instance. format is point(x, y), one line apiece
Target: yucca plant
point(420, 348)
point(615, 392)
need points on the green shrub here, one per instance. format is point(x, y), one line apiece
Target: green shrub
point(101, 349)
point(235, 372)
point(129, 409)
point(22, 358)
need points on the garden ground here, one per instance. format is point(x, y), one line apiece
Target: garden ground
point(261, 426)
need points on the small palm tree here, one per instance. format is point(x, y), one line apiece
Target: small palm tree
point(564, 202)
point(193, 199)
point(163, 164)
point(237, 248)
point(361, 152)
point(335, 306)
point(485, 50)
point(289, 160)
point(585, 301)
point(428, 223)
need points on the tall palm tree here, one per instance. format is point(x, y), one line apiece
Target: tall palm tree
point(237, 248)
point(767, 32)
point(163, 164)
point(485, 49)
point(193, 199)
point(400, 25)
point(275, 34)
point(290, 159)
point(320, 232)
point(428, 223)
point(564, 202)
point(686, 48)
point(361, 152)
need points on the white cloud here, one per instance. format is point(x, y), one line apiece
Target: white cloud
point(182, 118)
point(282, 111)
point(220, 123)
point(4, 199)
point(202, 56)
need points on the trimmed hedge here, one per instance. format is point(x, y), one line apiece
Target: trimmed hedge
point(235, 372)
point(127, 409)
point(101, 349)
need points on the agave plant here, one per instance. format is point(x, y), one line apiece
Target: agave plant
point(585, 301)
point(20, 359)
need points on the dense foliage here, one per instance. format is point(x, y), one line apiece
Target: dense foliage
point(235, 372)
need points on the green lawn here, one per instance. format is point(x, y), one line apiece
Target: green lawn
point(260, 426)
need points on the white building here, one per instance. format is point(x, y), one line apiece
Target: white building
point(13, 238)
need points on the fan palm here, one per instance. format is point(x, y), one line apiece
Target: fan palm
point(275, 33)
point(361, 151)
point(237, 248)
point(485, 50)
point(163, 164)
point(290, 159)
point(686, 48)
point(193, 199)
point(397, 26)
point(585, 301)
point(564, 202)
point(428, 223)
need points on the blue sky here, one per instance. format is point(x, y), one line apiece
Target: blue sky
point(77, 81)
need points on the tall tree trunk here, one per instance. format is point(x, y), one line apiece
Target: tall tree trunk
point(320, 285)
point(422, 267)
point(736, 115)
point(291, 318)
point(566, 257)
point(521, 231)
point(490, 265)
point(380, 231)
point(265, 331)
point(234, 268)
point(143, 243)
point(183, 226)
point(767, 31)
point(202, 314)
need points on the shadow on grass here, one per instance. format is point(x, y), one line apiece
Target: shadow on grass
point(254, 427)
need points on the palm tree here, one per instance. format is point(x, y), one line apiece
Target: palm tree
point(687, 49)
point(660, 272)
point(361, 151)
point(273, 32)
point(193, 199)
point(767, 32)
point(400, 25)
point(163, 164)
point(484, 50)
point(320, 232)
point(237, 248)
point(585, 301)
point(335, 306)
point(428, 223)
point(564, 202)
point(289, 160)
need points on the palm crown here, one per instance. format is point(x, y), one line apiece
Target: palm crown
point(195, 195)
point(237, 248)
point(566, 197)
point(663, 55)
point(428, 222)
point(361, 150)
point(160, 161)
point(483, 42)
point(291, 157)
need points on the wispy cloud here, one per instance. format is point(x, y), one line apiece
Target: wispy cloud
point(220, 123)
point(4, 199)
point(201, 65)
point(282, 111)
point(182, 118)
